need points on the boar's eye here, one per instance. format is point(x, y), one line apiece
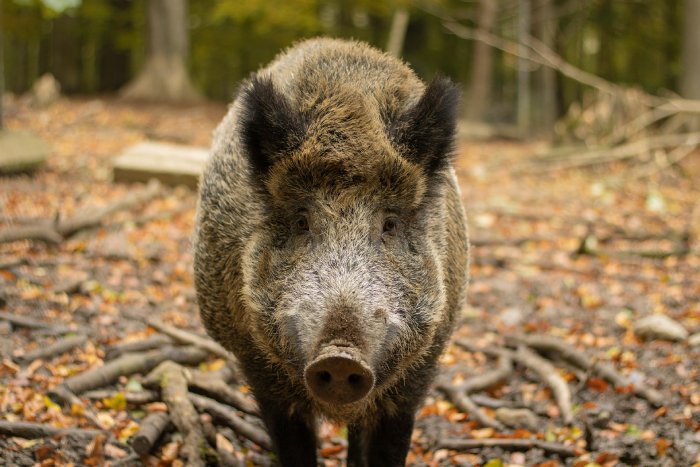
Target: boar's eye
point(390, 227)
point(302, 223)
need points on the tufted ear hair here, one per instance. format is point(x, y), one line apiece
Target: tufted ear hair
point(271, 127)
point(425, 132)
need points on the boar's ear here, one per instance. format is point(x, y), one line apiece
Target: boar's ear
point(425, 132)
point(271, 127)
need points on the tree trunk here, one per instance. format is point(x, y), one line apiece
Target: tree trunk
point(546, 76)
point(2, 71)
point(482, 68)
point(690, 74)
point(164, 76)
point(397, 33)
point(524, 97)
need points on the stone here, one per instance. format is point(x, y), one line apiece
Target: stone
point(171, 164)
point(517, 418)
point(694, 340)
point(45, 91)
point(660, 327)
point(21, 151)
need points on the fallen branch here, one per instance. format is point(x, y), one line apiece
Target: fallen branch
point(57, 348)
point(135, 398)
point(617, 153)
point(30, 323)
point(190, 338)
point(490, 378)
point(151, 428)
point(463, 402)
point(57, 230)
point(213, 386)
point(67, 398)
point(173, 385)
point(153, 341)
point(578, 358)
point(132, 363)
point(509, 443)
point(30, 430)
point(228, 416)
point(551, 378)
point(545, 370)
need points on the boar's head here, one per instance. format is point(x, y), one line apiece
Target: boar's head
point(343, 275)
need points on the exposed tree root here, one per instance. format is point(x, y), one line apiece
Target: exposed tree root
point(459, 393)
point(545, 370)
point(464, 403)
point(578, 358)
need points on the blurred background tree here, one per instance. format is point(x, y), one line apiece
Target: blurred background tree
point(98, 46)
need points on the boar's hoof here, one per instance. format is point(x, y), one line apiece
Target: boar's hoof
point(338, 378)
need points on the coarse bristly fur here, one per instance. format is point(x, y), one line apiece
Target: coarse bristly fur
point(330, 215)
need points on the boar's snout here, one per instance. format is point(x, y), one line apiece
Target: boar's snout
point(339, 377)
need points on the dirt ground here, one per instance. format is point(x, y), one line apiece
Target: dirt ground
point(577, 255)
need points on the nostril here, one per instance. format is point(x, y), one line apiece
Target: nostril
point(324, 376)
point(354, 379)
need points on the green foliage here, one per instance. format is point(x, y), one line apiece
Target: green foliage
point(98, 45)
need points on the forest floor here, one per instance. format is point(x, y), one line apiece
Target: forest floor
point(577, 258)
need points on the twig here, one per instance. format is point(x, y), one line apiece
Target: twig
point(150, 430)
point(57, 348)
point(231, 419)
point(183, 414)
point(132, 363)
point(509, 443)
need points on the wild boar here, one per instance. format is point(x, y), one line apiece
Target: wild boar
point(330, 247)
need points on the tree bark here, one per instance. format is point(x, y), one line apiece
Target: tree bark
point(397, 33)
point(690, 75)
point(546, 76)
point(482, 69)
point(524, 95)
point(164, 76)
point(2, 71)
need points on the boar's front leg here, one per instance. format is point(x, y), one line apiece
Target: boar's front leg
point(385, 444)
point(294, 440)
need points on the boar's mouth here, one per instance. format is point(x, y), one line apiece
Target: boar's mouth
point(339, 376)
